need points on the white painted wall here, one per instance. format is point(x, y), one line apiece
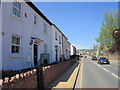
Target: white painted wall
point(71, 48)
point(26, 29)
point(55, 43)
point(68, 50)
point(65, 47)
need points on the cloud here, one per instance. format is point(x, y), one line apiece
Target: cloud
point(81, 47)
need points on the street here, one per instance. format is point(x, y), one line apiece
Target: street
point(93, 75)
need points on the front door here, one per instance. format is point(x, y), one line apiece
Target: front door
point(35, 54)
point(56, 55)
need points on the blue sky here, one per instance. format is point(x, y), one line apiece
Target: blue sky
point(79, 21)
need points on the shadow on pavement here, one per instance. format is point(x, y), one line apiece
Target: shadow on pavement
point(65, 76)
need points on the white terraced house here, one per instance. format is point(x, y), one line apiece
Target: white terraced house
point(28, 36)
point(56, 44)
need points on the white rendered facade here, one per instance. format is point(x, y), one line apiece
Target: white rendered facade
point(28, 33)
point(56, 49)
point(72, 50)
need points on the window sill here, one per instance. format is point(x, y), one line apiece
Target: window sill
point(16, 56)
point(17, 18)
point(35, 25)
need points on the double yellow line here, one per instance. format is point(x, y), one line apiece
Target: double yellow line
point(69, 83)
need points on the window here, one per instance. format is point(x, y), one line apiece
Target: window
point(45, 28)
point(16, 44)
point(59, 39)
point(56, 36)
point(17, 9)
point(60, 50)
point(45, 48)
point(35, 19)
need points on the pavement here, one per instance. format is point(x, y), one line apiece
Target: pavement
point(68, 79)
point(93, 75)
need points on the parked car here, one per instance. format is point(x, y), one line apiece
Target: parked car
point(94, 58)
point(103, 60)
point(85, 56)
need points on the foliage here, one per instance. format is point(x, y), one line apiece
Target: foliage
point(105, 38)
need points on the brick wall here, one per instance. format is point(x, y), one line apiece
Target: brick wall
point(29, 78)
point(23, 80)
point(56, 70)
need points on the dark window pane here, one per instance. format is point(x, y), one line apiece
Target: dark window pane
point(19, 5)
point(14, 40)
point(15, 4)
point(15, 49)
point(18, 41)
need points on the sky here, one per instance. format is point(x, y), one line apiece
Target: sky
point(79, 21)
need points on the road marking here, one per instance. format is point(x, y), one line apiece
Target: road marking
point(81, 75)
point(99, 65)
point(115, 75)
point(105, 69)
point(96, 63)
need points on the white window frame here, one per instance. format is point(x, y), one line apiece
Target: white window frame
point(35, 19)
point(45, 28)
point(15, 7)
point(56, 36)
point(60, 39)
point(45, 48)
point(13, 35)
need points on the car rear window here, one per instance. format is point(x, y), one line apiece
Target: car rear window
point(103, 58)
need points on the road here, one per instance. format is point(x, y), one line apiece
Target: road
point(93, 75)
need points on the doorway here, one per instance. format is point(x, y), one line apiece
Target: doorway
point(35, 54)
point(56, 50)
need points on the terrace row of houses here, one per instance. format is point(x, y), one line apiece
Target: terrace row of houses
point(28, 36)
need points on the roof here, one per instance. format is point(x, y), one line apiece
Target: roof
point(60, 31)
point(69, 42)
point(38, 11)
point(42, 15)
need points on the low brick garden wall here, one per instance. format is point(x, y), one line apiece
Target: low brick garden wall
point(54, 71)
point(28, 79)
point(23, 80)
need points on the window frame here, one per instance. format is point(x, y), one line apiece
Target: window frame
point(15, 7)
point(19, 45)
point(35, 19)
point(45, 48)
point(60, 39)
point(45, 28)
point(56, 36)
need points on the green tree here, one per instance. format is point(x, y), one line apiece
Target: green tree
point(109, 23)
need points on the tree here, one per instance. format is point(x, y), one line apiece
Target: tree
point(105, 38)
